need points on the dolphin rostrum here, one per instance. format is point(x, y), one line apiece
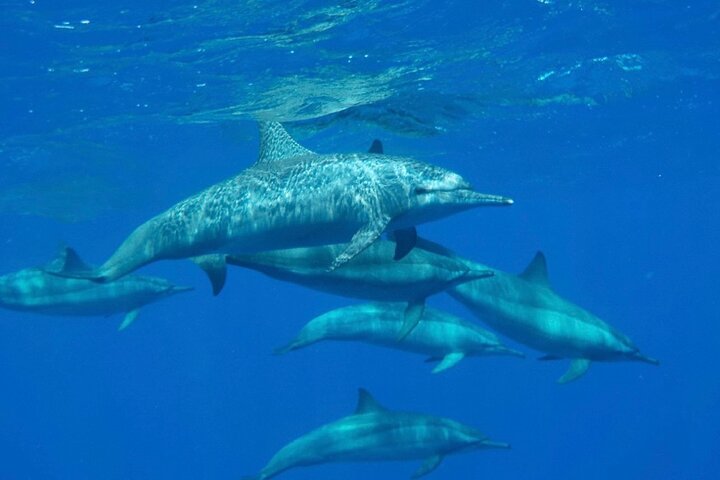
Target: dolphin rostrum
point(526, 309)
point(36, 290)
point(371, 275)
point(442, 336)
point(293, 197)
point(375, 433)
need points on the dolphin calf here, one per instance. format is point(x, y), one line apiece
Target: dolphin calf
point(36, 290)
point(371, 275)
point(293, 197)
point(526, 309)
point(442, 336)
point(375, 433)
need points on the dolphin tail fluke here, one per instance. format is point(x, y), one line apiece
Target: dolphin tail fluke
point(578, 367)
point(428, 466)
point(413, 314)
point(129, 319)
point(215, 267)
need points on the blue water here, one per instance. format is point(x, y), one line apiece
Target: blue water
point(598, 118)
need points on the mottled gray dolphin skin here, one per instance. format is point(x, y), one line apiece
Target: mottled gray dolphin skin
point(526, 309)
point(375, 433)
point(36, 290)
point(441, 336)
point(293, 197)
point(371, 275)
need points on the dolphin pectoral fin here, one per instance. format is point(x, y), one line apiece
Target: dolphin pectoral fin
point(578, 367)
point(362, 239)
point(450, 360)
point(413, 314)
point(405, 240)
point(430, 464)
point(549, 357)
point(129, 318)
point(215, 267)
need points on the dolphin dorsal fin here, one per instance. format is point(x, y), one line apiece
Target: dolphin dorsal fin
point(366, 403)
point(277, 144)
point(536, 271)
point(67, 261)
point(376, 147)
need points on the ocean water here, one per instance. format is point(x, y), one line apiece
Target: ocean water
point(599, 118)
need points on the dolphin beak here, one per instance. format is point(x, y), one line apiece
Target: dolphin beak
point(471, 197)
point(503, 350)
point(642, 358)
point(181, 289)
point(491, 444)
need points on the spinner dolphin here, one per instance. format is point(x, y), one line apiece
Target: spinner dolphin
point(36, 290)
point(375, 433)
point(293, 197)
point(526, 309)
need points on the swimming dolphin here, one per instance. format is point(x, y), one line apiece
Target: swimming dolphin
point(293, 197)
point(375, 433)
point(371, 275)
point(36, 290)
point(526, 309)
point(442, 336)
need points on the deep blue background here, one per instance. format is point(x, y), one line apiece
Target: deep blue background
point(615, 175)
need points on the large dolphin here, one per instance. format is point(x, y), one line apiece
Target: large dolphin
point(526, 309)
point(442, 336)
point(371, 275)
point(293, 197)
point(36, 290)
point(375, 433)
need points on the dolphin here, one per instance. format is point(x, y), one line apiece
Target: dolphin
point(375, 433)
point(440, 335)
point(293, 197)
point(526, 309)
point(36, 290)
point(371, 275)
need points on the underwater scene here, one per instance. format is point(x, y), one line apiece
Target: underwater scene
point(359, 239)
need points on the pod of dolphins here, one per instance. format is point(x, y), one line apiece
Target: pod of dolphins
point(317, 220)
